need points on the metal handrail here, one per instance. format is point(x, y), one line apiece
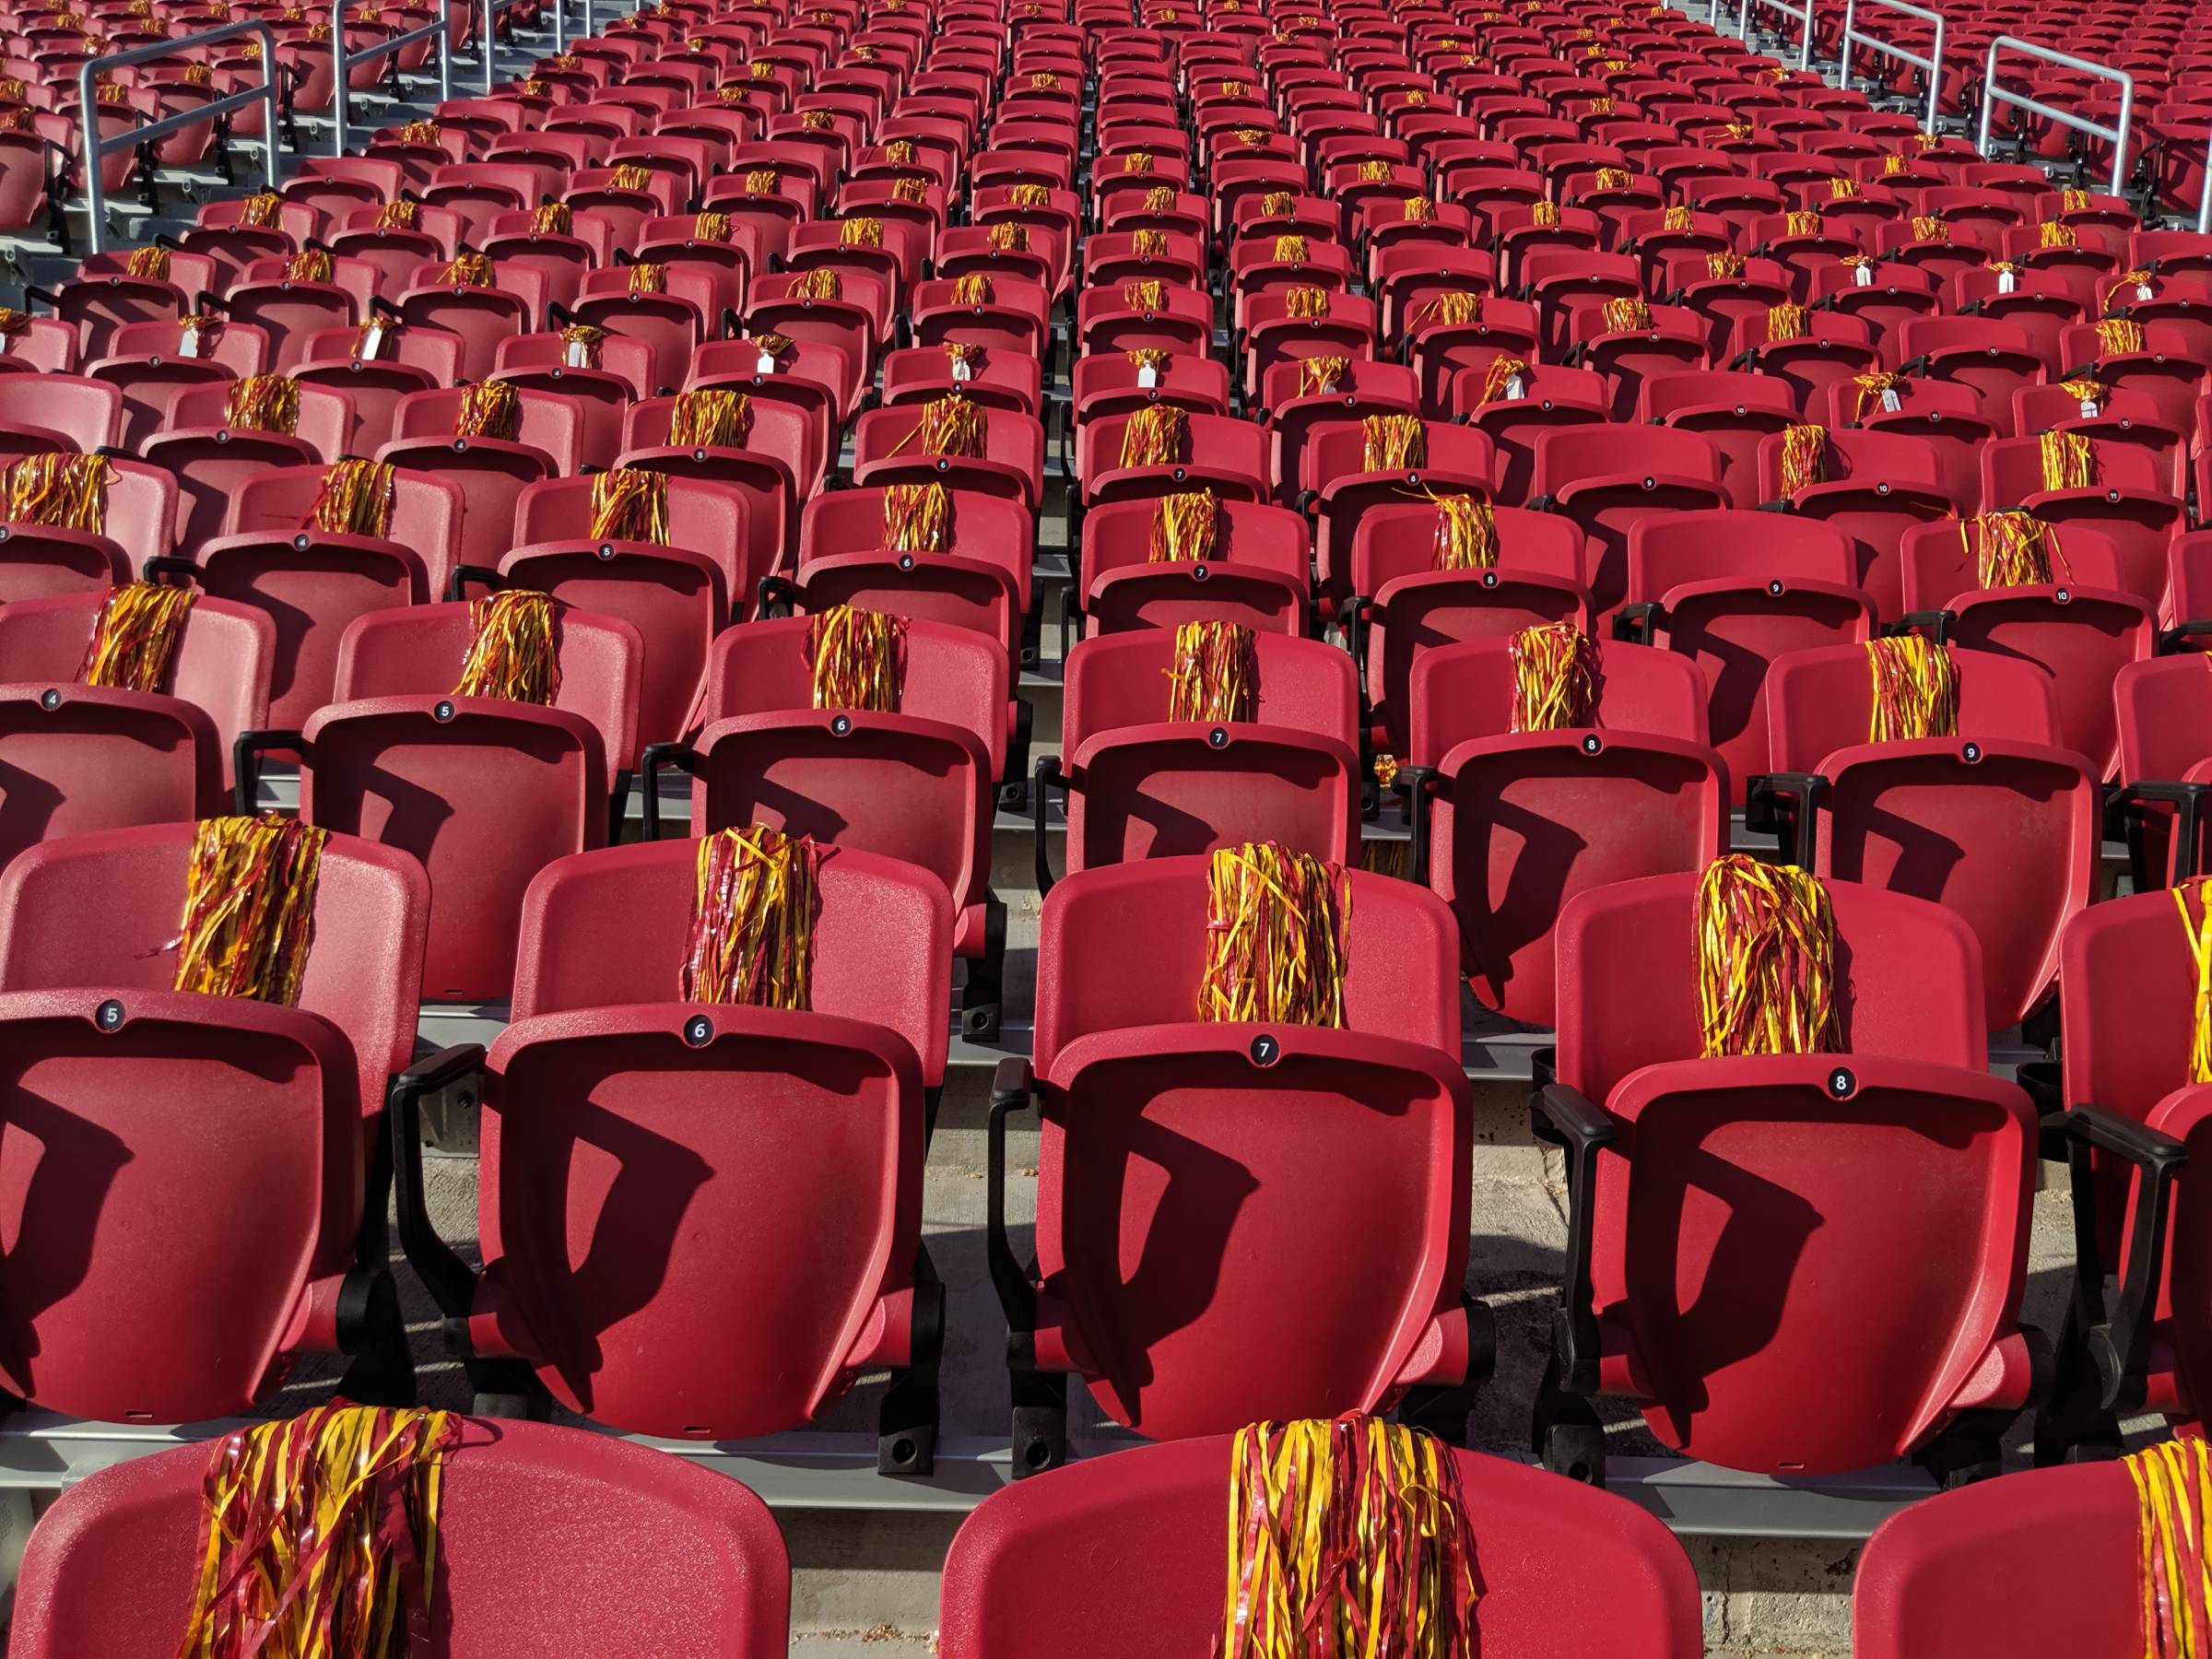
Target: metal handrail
point(493, 8)
point(342, 60)
point(1994, 95)
point(1933, 63)
point(95, 146)
point(1802, 14)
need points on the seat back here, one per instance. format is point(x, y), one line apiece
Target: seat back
point(1864, 1219)
point(725, 1137)
point(1974, 1565)
point(1125, 944)
point(610, 925)
point(1124, 680)
point(131, 1295)
point(96, 909)
point(1174, 1143)
point(1568, 1573)
point(114, 1569)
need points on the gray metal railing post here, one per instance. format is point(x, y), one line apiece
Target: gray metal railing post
point(1804, 15)
point(493, 8)
point(1992, 95)
point(342, 61)
point(2204, 202)
point(95, 146)
point(1933, 63)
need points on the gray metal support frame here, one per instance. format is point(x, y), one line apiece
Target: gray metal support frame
point(1992, 95)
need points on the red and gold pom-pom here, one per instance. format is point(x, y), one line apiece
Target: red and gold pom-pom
point(1346, 1537)
point(917, 518)
point(1317, 375)
point(69, 493)
point(135, 636)
point(148, 265)
point(1305, 301)
point(763, 182)
point(950, 426)
point(1274, 938)
point(1149, 296)
point(751, 940)
point(1555, 677)
point(861, 233)
point(2119, 336)
point(1788, 320)
point(249, 916)
point(2069, 461)
point(1802, 221)
point(712, 228)
point(2174, 1494)
point(1931, 228)
point(1417, 210)
point(264, 403)
point(1149, 244)
point(319, 1534)
point(1613, 178)
point(630, 503)
point(647, 277)
point(1544, 216)
point(1029, 195)
point(820, 283)
point(1466, 534)
point(491, 409)
point(2057, 233)
point(1497, 377)
point(355, 500)
point(580, 344)
point(709, 419)
point(1160, 198)
point(2197, 929)
point(1915, 689)
point(1155, 436)
point(974, 288)
point(468, 270)
point(856, 658)
point(403, 215)
point(1625, 315)
point(1214, 674)
point(1766, 942)
point(2124, 286)
point(513, 649)
point(1009, 238)
point(1393, 443)
point(1291, 250)
point(259, 211)
point(1278, 204)
point(1803, 457)
point(913, 192)
point(1137, 161)
point(309, 264)
point(1724, 265)
point(1870, 388)
point(771, 345)
point(1185, 526)
point(632, 176)
point(2012, 548)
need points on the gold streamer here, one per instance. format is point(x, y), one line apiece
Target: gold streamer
point(1215, 674)
point(512, 653)
point(1273, 942)
point(630, 503)
point(69, 493)
point(854, 654)
point(1915, 689)
point(1765, 961)
point(264, 403)
point(709, 419)
point(249, 917)
point(134, 637)
point(1184, 527)
point(1393, 443)
point(1155, 436)
point(489, 409)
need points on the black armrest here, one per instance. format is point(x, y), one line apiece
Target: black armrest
point(1937, 624)
point(657, 754)
point(1636, 623)
point(245, 762)
point(1011, 1085)
point(733, 325)
point(1763, 795)
point(1912, 366)
point(1049, 775)
point(1071, 616)
point(456, 585)
point(45, 296)
point(2169, 638)
point(2120, 1349)
point(208, 303)
point(169, 564)
point(2188, 801)
point(377, 302)
point(1585, 1127)
point(1354, 615)
point(2089, 369)
point(1780, 504)
point(774, 593)
point(452, 1284)
point(1418, 783)
point(559, 312)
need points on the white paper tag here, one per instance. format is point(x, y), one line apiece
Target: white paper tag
point(2142, 291)
point(1146, 376)
point(580, 355)
point(1863, 275)
point(766, 365)
point(1515, 389)
point(1891, 402)
point(189, 347)
point(2007, 282)
point(2088, 409)
point(960, 371)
